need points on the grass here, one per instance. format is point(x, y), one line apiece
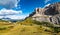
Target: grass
point(28, 27)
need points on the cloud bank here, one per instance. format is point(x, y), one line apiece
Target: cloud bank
point(8, 12)
point(8, 4)
point(15, 17)
point(4, 12)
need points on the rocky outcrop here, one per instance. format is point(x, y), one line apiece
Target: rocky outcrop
point(56, 19)
point(53, 9)
point(50, 13)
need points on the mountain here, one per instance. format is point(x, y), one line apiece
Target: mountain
point(6, 18)
point(50, 13)
point(12, 20)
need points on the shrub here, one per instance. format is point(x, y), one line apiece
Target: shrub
point(56, 29)
point(3, 28)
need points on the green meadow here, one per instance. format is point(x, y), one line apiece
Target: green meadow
point(28, 27)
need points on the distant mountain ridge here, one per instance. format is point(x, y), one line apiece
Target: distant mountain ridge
point(12, 20)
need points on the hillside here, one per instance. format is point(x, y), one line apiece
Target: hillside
point(28, 27)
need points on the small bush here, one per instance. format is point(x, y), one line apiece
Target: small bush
point(3, 28)
point(56, 30)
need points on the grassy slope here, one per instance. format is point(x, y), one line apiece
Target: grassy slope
point(26, 27)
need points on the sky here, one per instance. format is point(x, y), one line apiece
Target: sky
point(19, 9)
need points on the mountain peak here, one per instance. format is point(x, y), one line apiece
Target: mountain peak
point(47, 14)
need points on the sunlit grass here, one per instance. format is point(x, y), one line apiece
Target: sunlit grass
point(27, 27)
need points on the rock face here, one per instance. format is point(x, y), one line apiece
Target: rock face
point(53, 9)
point(50, 13)
point(56, 19)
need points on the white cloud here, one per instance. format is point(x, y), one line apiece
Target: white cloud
point(9, 3)
point(15, 17)
point(46, 5)
point(1, 17)
point(47, 1)
point(9, 12)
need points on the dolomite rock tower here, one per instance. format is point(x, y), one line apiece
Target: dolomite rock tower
point(50, 13)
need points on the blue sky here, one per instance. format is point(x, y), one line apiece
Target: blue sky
point(18, 9)
point(28, 6)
